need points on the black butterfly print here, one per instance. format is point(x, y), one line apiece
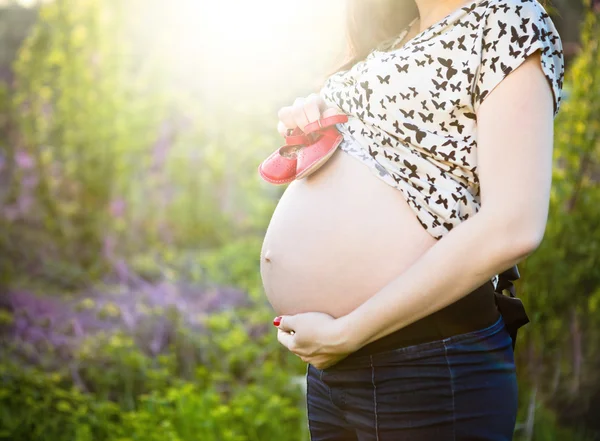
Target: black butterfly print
point(387, 156)
point(424, 225)
point(372, 152)
point(470, 8)
point(518, 9)
point(382, 104)
point(441, 105)
point(448, 45)
point(470, 75)
point(448, 156)
point(503, 30)
point(387, 141)
point(409, 114)
point(478, 17)
point(418, 132)
point(455, 103)
point(424, 105)
point(493, 64)
point(413, 169)
point(358, 102)
point(442, 201)
point(415, 186)
point(458, 126)
point(420, 63)
point(462, 198)
point(382, 117)
point(397, 127)
point(391, 99)
point(461, 44)
point(439, 86)
point(486, 48)
point(434, 94)
point(448, 226)
point(368, 109)
point(512, 52)
point(455, 87)
point(515, 37)
point(384, 80)
point(404, 96)
point(402, 68)
point(426, 118)
point(413, 90)
point(452, 142)
point(369, 92)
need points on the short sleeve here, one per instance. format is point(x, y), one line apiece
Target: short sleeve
point(513, 30)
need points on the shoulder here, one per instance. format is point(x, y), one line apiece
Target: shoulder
point(511, 31)
point(524, 15)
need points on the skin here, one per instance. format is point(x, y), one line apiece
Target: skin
point(515, 120)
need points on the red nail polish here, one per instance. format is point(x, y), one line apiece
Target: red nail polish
point(277, 320)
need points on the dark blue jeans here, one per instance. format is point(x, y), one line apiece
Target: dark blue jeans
point(461, 388)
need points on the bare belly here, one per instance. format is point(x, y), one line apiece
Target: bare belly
point(336, 238)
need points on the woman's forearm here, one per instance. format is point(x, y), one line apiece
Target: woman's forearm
point(468, 256)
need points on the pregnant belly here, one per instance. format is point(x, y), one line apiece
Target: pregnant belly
point(336, 238)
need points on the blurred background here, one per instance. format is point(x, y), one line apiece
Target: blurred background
point(132, 215)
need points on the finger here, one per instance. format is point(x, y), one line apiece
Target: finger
point(282, 129)
point(286, 116)
point(286, 323)
point(285, 338)
point(312, 107)
point(322, 103)
point(299, 114)
point(331, 111)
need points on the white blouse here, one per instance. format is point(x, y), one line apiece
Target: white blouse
point(412, 110)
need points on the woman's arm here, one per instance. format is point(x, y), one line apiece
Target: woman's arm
point(515, 141)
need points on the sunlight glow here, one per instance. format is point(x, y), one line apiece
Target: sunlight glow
point(236, 47)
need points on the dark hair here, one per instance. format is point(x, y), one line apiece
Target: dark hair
point(371, 22)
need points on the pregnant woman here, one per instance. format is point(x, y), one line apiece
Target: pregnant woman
point(382, 265)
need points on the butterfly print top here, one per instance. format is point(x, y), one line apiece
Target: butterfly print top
point(412, 110)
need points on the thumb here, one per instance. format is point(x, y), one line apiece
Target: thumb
point(284, 322)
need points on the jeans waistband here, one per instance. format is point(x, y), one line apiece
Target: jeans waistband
point(476, 311)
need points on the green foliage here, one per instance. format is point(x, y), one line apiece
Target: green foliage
point(561, 280)
point(36, 405)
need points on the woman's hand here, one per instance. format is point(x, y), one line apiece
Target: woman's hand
point(317, 338)
point(303, 112)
